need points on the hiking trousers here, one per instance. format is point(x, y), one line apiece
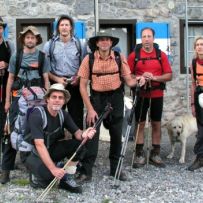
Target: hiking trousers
point(114, 121)
point(59, 151)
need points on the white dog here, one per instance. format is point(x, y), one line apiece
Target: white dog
point(179, 129)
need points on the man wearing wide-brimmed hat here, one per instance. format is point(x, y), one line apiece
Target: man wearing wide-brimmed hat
point(49, 144)
point(65, 52)
point(106, 87)
point(6, 49)
point(28, 67)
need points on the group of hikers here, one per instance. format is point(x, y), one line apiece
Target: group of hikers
point(71, 77)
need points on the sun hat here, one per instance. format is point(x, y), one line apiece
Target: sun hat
point(35, 32)
point(58, 87)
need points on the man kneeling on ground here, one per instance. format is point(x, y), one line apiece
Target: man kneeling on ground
point(49, 146)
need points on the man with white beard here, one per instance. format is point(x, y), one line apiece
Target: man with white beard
point(50, 147)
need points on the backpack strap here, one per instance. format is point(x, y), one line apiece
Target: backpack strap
point(194, 69)
point(19, 56)
point(118, 61)
point(61, 117)
point(91, 63)
point(79, 48)
point(41, 59)
point(44, 116)
point(8, 47)
point(52, 42)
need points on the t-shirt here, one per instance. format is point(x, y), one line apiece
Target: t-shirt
point(152, 66)
point(28, 60)
point(36, 124)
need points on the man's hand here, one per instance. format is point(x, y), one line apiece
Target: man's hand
point(58, 172)
point(89, 133)
point(141, 80)
point(3, 64)
point(75, 80)
point(92, 116)
point(148, 76)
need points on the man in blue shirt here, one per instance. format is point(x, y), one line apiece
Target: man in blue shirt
point(65, 54)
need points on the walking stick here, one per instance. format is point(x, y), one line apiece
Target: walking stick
point(107, 110)
point(1, 88)
point(137, 132)
point(148, 125)
point(126, 138)
point(5, 137)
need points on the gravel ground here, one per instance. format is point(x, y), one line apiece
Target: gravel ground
point(172, 184)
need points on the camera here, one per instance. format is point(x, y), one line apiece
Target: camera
point(69, 80)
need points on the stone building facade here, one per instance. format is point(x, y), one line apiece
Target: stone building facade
point(169, 11)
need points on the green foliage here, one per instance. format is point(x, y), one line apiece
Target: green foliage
point(20, 182)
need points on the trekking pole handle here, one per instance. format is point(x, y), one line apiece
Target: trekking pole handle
point(137, 90)
point(106, 112)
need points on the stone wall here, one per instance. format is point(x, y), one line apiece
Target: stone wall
point(170, 11)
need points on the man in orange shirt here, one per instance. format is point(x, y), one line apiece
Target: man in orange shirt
point(106, 87)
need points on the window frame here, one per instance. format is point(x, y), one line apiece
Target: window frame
point(182, 39)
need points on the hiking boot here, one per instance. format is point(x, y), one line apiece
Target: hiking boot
point(82, 178)
point(5, 177)
point(37, 182)
point(156, 160)
point(122, 177)
point(139, 160)
point(198, 163)
point(68, 183)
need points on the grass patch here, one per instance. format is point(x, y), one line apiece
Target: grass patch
point(21, 182)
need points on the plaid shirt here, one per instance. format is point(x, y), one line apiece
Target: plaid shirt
point(105, 72)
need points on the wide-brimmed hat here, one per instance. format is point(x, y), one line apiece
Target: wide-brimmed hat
point(58, 87)
point(35, 32)
point(2, 22)
point(93, 40)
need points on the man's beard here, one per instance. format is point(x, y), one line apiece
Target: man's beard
point(30, 46)
point(56, 107)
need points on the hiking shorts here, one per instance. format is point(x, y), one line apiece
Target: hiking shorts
point(142, 106)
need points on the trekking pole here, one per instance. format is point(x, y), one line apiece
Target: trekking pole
point(124, 146)
point(137, 132)
point(107, 110)
point(5, 137)
point(148, 125)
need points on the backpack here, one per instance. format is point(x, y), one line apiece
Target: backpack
point(91, 63)
point(8, 47)
point(138, 47)
point(194, 69)
point(30, 99)
point(19, 83)
point(52, 42)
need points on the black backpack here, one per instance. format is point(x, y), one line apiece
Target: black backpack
point(138, 47)
point(52, 42)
